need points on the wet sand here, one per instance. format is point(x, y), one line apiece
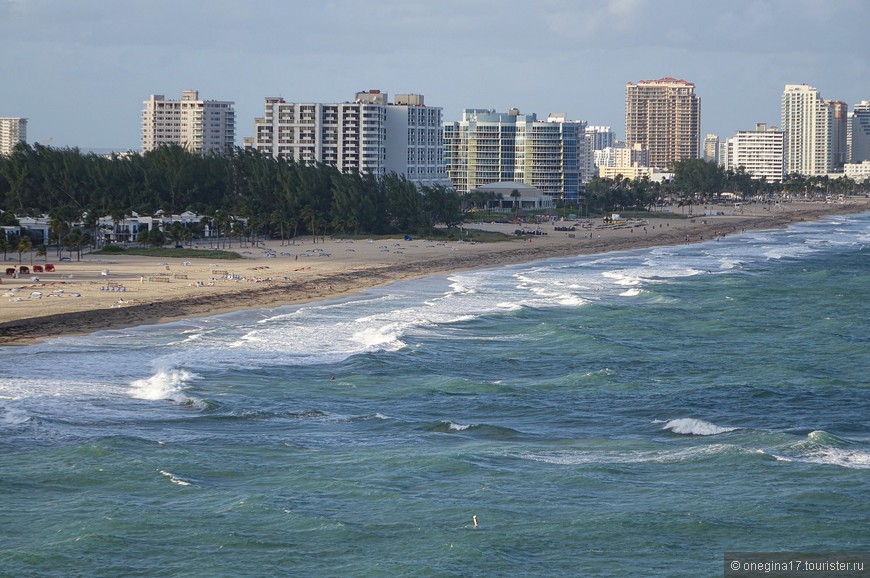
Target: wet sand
point(106, 292)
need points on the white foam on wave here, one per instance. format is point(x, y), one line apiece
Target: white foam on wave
point(696, 427)
point(666, 456)
point(791, 251)
point(623, 277)
point(844, 458)
point(572, 300)
point(166, 384)
point(174, 479)
point(461, 286)
point(729, 262)
point(457, 426)
point(12, 416)
point(631, 293)
point(306, 311)
point(191, 335)
point(384, 338)
point(330, 334)
point(821, 447)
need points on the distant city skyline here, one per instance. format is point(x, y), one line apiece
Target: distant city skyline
point(80, 71)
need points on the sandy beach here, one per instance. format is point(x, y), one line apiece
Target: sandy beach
point(105, 292)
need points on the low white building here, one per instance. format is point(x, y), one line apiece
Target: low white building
point(857, 171)
point(529, 198)
point(126, 229)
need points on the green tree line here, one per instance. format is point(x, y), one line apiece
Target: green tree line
point(280, 199)
point(697, 181)
point(276, 197)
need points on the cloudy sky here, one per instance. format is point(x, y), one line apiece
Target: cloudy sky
point(79, 70)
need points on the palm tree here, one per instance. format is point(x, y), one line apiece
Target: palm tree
point(25, 244)
point(515, 195)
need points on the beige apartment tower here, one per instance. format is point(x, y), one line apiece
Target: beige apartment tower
point(200, 126)
point(664, 116)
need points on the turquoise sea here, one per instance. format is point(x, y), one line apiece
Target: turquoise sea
point(628, 414)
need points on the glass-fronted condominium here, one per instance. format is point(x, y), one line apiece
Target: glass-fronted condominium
point(761, 153)
point(859, 132)
point(12, 132)
point(368, 136)
point(488, 147)
point(664, 116)
point(200, 126)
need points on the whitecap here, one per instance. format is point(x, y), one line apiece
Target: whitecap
point(697, 427)
point(386, 337)
point(174, 479)
point(166, 384)
point(458, 426)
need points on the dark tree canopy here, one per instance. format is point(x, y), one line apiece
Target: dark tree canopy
point(275, 196)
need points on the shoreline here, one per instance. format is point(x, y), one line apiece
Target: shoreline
point(275, 276)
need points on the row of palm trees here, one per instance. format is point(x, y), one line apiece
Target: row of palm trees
point(22, 244)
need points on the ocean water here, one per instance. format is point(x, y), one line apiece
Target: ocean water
point(627, 414)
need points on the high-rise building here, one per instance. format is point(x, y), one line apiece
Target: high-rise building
point(598, 138)
point(488, 147)
point(12, 132)
point(200, 126)
point(806, 120)
point(760, 152)
point(839, 134)
point(629, 162)
point(414, 143)
point(711, 148)
point(859, 132)
point(664, 116)
point(368, 136)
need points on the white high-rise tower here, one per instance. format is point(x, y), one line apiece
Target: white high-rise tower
point(807, 122)
point(12, 132)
